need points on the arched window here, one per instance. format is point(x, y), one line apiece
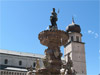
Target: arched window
point(34, 64)
point(9, 73)
point(6, 61)
point(20, 62)
point(1, 72)
point(23, 73)
point(72, 38)
point(17, 73)
point(77, 38)
point(20, 73)
point(4, 73)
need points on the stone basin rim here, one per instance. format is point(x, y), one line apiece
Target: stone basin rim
point(53, 35)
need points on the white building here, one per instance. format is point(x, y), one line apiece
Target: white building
point(75, 47)
point(15, 63)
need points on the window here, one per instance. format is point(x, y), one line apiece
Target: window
point(20, 73)
point(34, 64)
point(6, 61)
point(72, 38)
point(9, 73)
point(20, 62)
point(77, 38)
point(17, 73)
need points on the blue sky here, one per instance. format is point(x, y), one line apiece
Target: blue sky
point(22, 21)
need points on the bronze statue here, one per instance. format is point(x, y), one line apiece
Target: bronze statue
point(53, 19)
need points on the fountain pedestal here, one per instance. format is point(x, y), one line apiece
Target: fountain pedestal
point(53, 39)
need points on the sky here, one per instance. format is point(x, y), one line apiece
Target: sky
point(22, 20)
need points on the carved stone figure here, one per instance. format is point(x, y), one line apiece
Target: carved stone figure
point(30, 71)
point(74, 72)
point(69, 63)
point(52, 54)
point(37, 64)
point(68, 67)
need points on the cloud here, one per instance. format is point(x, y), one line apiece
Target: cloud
point(47, 28)
point(89, 31)
point(99, 50)
point(96, 35)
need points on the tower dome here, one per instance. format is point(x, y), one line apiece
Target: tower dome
point(73, 27)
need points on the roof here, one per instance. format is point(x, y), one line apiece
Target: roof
point(73, 27)
point(20, 53)
point(17, 69)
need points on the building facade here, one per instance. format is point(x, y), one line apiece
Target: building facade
point(17, 63)
point(75, 47)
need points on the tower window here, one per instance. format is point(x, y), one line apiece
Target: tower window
point(6, 61)
point(77, 38)
point(72, 38)
point(20, 62)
